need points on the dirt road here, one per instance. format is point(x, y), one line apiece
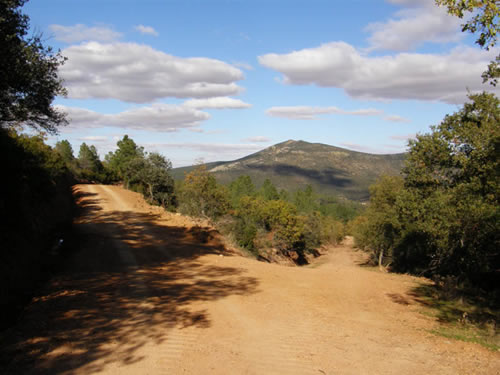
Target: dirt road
point(147, 292)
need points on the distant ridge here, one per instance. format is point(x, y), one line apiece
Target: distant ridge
point(292, 165)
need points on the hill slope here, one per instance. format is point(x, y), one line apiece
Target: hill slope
point(292, 165)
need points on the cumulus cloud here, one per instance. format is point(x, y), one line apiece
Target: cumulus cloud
point(411, 27)
point(417, 76)
point(146, 30)
point(259, 139)
point(216, 103)
point(312, 113)
point(138, 73)
point(79, 33)
point(157, 117)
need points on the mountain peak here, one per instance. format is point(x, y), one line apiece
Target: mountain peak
point(293, 165)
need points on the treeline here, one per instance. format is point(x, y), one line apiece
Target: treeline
point(442, 217)
point(261, 220)
point(258, 220)
point(147, 173)
point(264, 220)
point(36, 207)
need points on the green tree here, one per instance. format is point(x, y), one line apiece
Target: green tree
point(454, 174)
point(88, 158)
point(153, 172)
point(268, 191)
point(65, 150)
point(384, 226)
point(484, 21)
point(90, 166)
point(200, 195)
point(242, 186)
point(445, 218)
point(306, 200)
point(28, 70)
point(126, 152)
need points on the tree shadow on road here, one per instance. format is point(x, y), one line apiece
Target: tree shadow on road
point(129, 280)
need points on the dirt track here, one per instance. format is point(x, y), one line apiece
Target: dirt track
point(147, 292)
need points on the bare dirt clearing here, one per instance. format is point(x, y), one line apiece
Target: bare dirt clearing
point(148, 292)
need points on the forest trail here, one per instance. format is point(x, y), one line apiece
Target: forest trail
point(150, 292)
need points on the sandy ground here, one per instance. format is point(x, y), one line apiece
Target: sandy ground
point(149, 292)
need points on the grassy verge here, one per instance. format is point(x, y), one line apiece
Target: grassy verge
point(463, 314)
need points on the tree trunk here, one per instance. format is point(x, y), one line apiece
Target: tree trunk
point(380, 258)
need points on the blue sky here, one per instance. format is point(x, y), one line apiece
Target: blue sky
point(217, 80)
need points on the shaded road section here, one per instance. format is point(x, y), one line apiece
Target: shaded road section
point(150, 292)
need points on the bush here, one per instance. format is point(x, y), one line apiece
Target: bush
point(200, 195)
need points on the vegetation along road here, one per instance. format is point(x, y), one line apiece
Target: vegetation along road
point(149, 292)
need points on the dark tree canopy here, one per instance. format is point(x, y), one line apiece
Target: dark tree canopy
point(28, 70)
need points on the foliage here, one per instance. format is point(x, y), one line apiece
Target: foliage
point(485, 21)
point(293, 165)
point(28, 69)
point(242, 186)
point(380, 228)
point(308, 201)
point(35, 202)
point(268, 191)
point(257, 220)
point(340, 208)
point(89, 165)
point(444, 219)
point(153, 173)
point(66, 151)
point(118, 161)
point(200, 195)
point(305, 200)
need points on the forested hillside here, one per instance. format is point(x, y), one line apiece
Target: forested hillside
point(293, 165)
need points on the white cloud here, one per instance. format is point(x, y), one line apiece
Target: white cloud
point(311, 113)
point(216, 103)
point(209, 151)
point(259, 139)
point(94, 138)
point(79, 33)
point(396, 118)
point(243, 65)
point(412, 27)
point(157, 117)
point(146, 30)
point(372, 150)
point(403, 76)
point(215, 148)
point(138, 73)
